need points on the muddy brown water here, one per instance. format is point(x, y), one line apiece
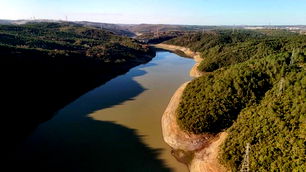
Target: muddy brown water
point(114, 127)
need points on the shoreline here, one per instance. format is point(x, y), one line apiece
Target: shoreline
point(198, 152)
point(195, 55)
point(41, 106)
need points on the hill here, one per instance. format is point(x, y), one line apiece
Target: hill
point(44, 66)
point(254, 89)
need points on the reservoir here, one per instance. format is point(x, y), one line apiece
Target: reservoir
point(114, 127)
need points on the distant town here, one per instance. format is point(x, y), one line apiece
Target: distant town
point(294, 28)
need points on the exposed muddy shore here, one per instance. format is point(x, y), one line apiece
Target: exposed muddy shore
point(198, 152)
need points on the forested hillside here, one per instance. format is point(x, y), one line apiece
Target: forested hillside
point(67, 39)
point(44, 66)
point(224, 48)
point(254, 88)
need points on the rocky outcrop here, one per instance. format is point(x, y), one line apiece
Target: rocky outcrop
point(206, 159)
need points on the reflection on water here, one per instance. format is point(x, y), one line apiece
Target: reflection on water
point(115, 127)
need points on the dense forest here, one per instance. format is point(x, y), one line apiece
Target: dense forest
point(224, 48)
point(155, 38)
point(44, 66)
point(254, 88)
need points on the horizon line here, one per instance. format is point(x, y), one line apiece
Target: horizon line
point(64, 20)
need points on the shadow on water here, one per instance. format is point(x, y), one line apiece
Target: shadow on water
point(115, 92)
point(92, 146)
point(34, 86)
point(72, 141)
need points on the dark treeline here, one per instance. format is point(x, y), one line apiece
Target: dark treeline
point(158, 37)
point(254, 89)
point(44, 66)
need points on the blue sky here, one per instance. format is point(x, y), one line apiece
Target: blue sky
point(200, 12)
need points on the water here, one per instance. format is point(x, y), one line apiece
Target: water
point(115, 127)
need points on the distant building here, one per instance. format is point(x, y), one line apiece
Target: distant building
point(255, 27)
